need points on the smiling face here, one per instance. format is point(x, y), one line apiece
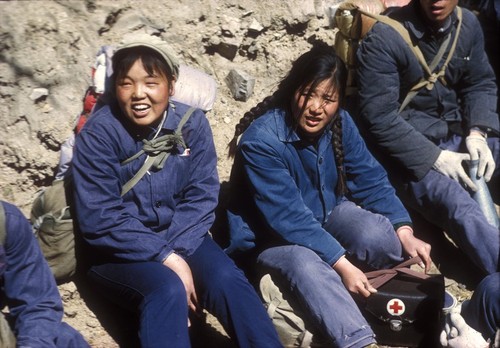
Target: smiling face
point(143, 97)
point(437, 11)
point(315, 109)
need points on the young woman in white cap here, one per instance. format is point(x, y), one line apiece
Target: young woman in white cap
point(149, 241)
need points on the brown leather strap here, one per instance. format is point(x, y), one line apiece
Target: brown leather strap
point(380, 277)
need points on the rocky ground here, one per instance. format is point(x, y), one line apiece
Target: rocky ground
point(46, 51)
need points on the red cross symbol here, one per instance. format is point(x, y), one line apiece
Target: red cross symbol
point(395, 307)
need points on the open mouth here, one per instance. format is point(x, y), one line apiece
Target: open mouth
point(140, 109)
point(312, 121)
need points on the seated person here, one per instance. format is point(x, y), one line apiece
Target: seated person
point(450, 120)
point(311, 205)
point(29, 290)
point(150, 244)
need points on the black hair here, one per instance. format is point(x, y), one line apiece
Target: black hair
point(151, 59)
point(319, 64)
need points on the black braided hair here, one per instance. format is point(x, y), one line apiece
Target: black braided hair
point(319, 64)
point(247, 119)
point(338, 151)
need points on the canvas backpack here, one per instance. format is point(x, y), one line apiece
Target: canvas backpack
point(354, 18)
point(352, 27)
point(53, 228)
point(287, 320)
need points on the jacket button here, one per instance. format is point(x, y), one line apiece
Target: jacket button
point(321, 160)
point(157, 204)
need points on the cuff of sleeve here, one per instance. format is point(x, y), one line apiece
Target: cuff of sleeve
point(481, 131)
point(333, 260)
point(164, 254)
point(401, 224)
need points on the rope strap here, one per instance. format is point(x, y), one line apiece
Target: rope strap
point(157, 150)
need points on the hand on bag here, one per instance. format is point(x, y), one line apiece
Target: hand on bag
point(478, 149)
point(181, 268)
point(449, 163)
point(457, 334)
point(353, 278)
point(415, 247)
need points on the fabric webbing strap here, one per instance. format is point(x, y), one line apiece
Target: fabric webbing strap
point(432, 77)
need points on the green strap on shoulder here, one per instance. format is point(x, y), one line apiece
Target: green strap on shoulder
point(3, 225)
point(158, 151)
point(431, 77)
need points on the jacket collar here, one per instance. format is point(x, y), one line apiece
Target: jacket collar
point(287, 134)
point(171, 121)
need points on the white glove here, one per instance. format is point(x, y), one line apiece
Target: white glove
point(478, 149)
point(457, 334)
point(449, 163)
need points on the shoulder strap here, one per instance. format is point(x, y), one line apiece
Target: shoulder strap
point(3, 225)
point(158, 151)
point(432, 77)
point(404, 34)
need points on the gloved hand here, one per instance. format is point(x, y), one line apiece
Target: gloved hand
point(478, 149)
point(457, 334)
point(449, 163)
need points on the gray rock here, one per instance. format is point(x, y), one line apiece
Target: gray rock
point(241, 84)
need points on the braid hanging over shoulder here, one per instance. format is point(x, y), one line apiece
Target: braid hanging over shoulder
point(338, 150)
point(247, 119)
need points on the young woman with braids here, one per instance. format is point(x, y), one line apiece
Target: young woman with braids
point(310, 205)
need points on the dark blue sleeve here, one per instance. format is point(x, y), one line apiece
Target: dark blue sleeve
point(382, 56)
point(367, 179)
point(477, 88)
point(30, 289)
point(195, 213)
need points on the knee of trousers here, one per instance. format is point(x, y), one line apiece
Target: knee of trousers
point(224, 283)
point(166, 293)
point(379, 239)
point(300, 264)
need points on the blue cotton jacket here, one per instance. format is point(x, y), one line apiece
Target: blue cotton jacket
point(29, 288)
point(283, 189)
point(168, 210)
point(388, 69)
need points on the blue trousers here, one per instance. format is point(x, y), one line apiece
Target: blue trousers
point(318, 290)
point(446, 204)
point(68, 337)
point(482, 311)
point(158, 296)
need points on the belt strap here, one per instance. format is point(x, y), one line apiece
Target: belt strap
point(380, 277)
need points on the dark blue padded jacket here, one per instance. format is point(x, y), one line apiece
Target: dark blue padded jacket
point(388, 69)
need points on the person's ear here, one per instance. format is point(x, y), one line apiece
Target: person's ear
point(172, 87)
